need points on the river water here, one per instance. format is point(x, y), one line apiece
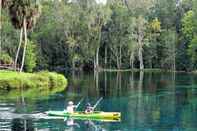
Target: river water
point(148, 101)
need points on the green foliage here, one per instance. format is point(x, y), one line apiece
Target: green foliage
point(71, 34)
point(192, 50)
point(164, 10)
point(155, 25)
point(189, 29)
point(5, 58)
point(45, 80)
point(188, 25)
point(169, 49)
point(9, 36)
point(31, 57)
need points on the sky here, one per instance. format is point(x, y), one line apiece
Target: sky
point(97, 1)
point(101, 1)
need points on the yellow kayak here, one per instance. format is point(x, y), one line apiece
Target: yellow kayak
point(95, 114)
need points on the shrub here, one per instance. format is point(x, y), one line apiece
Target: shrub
point(5, 59)
point(31, 57)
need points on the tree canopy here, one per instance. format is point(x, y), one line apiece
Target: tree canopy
point(89, 35)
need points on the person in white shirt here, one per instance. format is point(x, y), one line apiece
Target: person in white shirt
point(70, 108)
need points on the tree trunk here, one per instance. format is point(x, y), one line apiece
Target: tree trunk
point(19, 47)
point(141, 58)
point(140, 42)
point(105, 57)
point(97, 79)
point(73, 64)
point(0, 23)
point(120, 59)
point(132, 60)
point(25, 44)
point(0, 13)
point(94, 63)
point(97, 58)
point(174, 65)
point(174, 58)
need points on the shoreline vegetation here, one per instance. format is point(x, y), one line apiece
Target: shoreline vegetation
point(154, 34)
point(40, 80)
point(146, 70)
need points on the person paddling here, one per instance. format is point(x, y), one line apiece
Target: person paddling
point(89, 108)
point(70, 107)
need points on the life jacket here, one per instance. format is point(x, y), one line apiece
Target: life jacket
point(70, 109)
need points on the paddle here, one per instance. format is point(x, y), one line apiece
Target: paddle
point(78, 103)
point(65, 118)
point(97, 103)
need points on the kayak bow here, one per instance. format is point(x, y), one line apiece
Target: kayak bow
point(78, 114)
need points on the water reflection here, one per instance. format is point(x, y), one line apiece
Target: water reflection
point(22, 125)
point(147, 101)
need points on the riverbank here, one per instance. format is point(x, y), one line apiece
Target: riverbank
point(146, 70)
point(15, 80)
point(135, 70)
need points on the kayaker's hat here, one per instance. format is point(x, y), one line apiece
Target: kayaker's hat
point(88, 104)
point(70, 103)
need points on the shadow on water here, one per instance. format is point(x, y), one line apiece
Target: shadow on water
point(22, 125)
point(147, 101)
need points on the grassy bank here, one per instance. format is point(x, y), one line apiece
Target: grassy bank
point(15, 80)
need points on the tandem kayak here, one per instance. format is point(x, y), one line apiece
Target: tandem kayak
point(78, 114)
point(100, 119)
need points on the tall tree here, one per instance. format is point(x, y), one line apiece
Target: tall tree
point(140, 9)
point(189, 31)
point(23, 16)
point(119, 32)
point(101, 15)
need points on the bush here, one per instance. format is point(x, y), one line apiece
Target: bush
point(5, 59)
point(31, 57)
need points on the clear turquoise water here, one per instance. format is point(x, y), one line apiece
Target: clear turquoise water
point(147, 102)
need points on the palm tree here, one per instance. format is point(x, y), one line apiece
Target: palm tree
point(5, 3)
point(24, 14)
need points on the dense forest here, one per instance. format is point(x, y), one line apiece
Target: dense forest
point(86, 34)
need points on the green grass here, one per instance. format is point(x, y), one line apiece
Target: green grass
point(16, 80)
